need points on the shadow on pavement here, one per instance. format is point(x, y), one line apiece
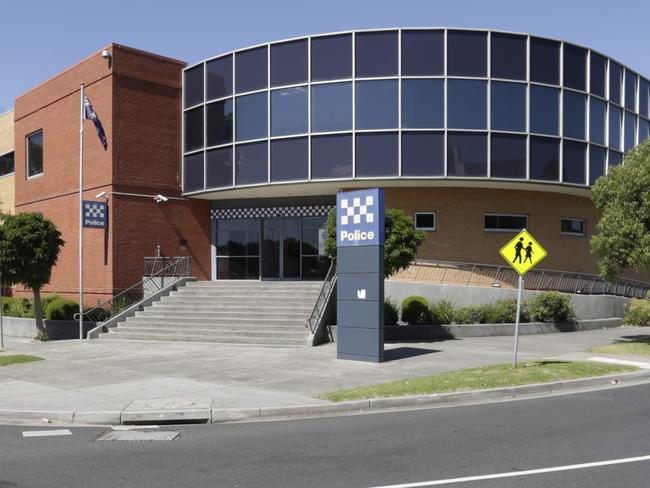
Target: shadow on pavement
point(406, 352)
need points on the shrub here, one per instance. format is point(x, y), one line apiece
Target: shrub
point(505, 312)
point(442, 312)
point(550, 306)
point(391, 313)
point(473, 314)
point(415, 311)
point(61, 309)
point(17, 307)
point(46, 300)
point(638, 314)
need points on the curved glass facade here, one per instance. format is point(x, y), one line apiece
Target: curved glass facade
point(409, 104)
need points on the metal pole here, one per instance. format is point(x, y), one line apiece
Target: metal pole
point(519, 292)
point(2, 335)
point(81, 211)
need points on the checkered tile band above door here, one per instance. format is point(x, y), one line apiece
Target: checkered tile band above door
point(258, 212)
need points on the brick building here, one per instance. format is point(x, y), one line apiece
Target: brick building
point(7, 180)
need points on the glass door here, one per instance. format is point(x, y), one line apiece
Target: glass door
point(271, 247)
point(291, 248)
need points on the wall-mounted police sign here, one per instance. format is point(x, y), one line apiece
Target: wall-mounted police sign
point(360, 275)
point(95, 214)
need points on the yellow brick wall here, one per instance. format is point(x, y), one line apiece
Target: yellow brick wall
point(7, 183)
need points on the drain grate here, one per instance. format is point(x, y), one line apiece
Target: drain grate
point(137, 436)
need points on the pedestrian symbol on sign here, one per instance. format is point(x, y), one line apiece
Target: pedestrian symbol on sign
point(523, 252)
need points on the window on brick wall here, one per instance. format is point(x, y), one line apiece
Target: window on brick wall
point(425, 220)
point(35, 154)
point(505, 222)
point(7, 164)
point(573, 227)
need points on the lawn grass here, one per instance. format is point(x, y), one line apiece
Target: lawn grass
point(17, 359)
point(494, 376)
point(637, 344)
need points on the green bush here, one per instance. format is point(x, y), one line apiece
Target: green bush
point(61, 309)
point(638, 314)
point(391, 313)
point(550, 306)
point(415, 311)
point(46, 300)
point(505, 312)
point(442, 312)
point(473, 314)
point(17, 307)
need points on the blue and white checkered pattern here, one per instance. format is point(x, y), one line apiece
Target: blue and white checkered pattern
point(356, 210)
point(360, 218)
point(95, 214)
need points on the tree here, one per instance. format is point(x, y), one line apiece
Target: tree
point(401, 240)
point(623, 199)
point(29, 247)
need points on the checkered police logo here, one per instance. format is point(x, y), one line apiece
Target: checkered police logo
point(266, 212)
point(360, 218)
point(357, 211)
point(95, 214)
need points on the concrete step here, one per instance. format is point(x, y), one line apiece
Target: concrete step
point(242, 294)
point(254, 283)
point(182, 336)
point(182, 325)
point(241, 299)
point(216, 332)
point(228, 307)
point(234, 322)
point(172, 313)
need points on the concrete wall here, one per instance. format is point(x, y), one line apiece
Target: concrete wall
point(7, 182)
point(56, 329)
point(585, 306)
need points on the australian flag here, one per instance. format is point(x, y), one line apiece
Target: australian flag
point(90, 114)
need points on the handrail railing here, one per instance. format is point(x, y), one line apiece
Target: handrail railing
point(179, 267)
point(314, 319)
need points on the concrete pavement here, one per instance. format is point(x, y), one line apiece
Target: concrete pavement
point(110, 381)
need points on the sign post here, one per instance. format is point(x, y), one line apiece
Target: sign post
point(523, 252)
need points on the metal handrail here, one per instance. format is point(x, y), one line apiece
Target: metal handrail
point(326, 289)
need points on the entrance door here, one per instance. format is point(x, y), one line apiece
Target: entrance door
point(281, 248)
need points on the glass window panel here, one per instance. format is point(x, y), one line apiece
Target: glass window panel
point(218, 167)
point(544, 158)
point(423, 53)
point(596, 163)
point(513, 223)
point(423, 103)
point(614, 127)
point(289, 63)
point(377, 154)
point(466, 53)
point(194, 129)
point(35, 154)
point(376, 54)
point(575, 62)
point(467, 107)
point(573, 162)
point(376, 104)
point(251, 70)
point(289, 111)
point(597, 121)
point(508, 56)
point(508, 156)
point(219, 121)
point(251, 117)
point(572, 226)
point(310, 241)
point(289, 159)
point(331, 57)
point(7, 164)
point(644, 97)
point(238, 268)
point(315, 267)
point(630, 131)
point(644, 130)
point(331, 156)
point(425, 220)
point(331, 107)
point(219, 77)
point(193, 86)
point(615, 158)
point(544, 61)
point(598, 71)
point(615, 78)
point(574, 115)
point(238, 237)
point(508, 106)
point(251, 163)
point(544, 110)
point(466, 154)
point(193, 172)
point(423, 154)
point(630, 91)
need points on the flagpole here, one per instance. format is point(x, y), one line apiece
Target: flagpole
point(81, 211)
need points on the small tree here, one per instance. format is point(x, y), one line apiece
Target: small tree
point(623, 199)
point(401, 240)
point(29, 247)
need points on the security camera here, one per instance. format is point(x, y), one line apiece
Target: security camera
point(100, 194)
point(106, 54)
point(160, 198)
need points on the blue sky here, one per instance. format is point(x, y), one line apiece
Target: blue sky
point(43, 37)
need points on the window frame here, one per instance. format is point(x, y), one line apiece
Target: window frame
point(501, 214)
point(574, 234)
point(428, 229)
point(14, 159)
point(27, 137)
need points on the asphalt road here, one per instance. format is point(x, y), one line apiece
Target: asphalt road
point(375, 450)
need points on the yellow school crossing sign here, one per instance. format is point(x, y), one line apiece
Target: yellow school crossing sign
point(523, 252)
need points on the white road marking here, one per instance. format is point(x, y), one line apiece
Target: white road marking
point(624, 362)
point(46, 433)
point(514, 474)
point(133, 427)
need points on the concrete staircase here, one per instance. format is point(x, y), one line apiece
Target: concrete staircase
point(244, 312)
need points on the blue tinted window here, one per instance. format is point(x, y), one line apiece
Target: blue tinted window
point(597, 121)
point(575, 61)
point(644, 97)
point(544, 158)
point(289, 63)
point(630, 91)
point(219, 77)
point(597, 74)
point(630, 131)
point(251, 119)
point(596, 163)
point(376, 54)
point(544, 61)
point(193, 172)
point(423, 53)
point(467, 104)
point(573, 162)
point(466, 154)
point(508, 56)
point(289, 111)
point(251, 70)
point(614, 158)
point(376, 154)
point(331, 57)
point(644, 130)
point(219, 123)
point(376, 106)
point(251, 163)
point(574, 115)
point(614, 127)
point(508, 156)
point(289, 159)
point(331, 107)
point(193, 86)
point(194, 129)
point(466, 53)
point(423, 154)
point(544, 110)
point(508, 106)
point(615, 79)
point(423, 103)
point(331, 156)
point(218, 168)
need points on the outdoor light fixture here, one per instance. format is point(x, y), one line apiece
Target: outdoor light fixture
point(100, 194)
point(106, 54)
